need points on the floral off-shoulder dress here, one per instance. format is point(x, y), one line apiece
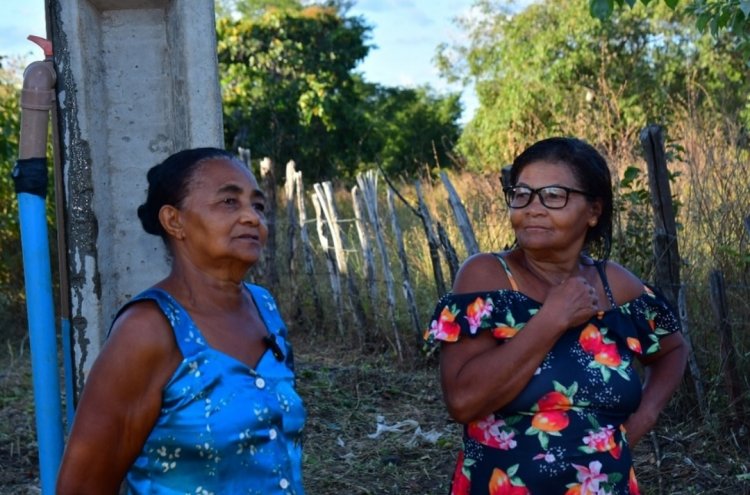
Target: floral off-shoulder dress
point(563, 434)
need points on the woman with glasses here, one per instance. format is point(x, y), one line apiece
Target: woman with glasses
point(539, 343)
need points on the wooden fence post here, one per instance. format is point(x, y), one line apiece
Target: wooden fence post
point(727, 351)
point(462, 219)
point(324, 192)
point(291, 222)
point(368, 183)
point(364, 242)
point(666, 255)
point(333, 272)
point(307, 250)
point(291, 237)
point(450, 252)
point(268, 184)
point(432, 241)
point(695, 371)
point(406, 282)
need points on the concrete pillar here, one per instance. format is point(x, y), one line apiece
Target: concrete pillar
point(137, 81)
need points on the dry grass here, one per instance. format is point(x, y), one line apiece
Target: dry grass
point(346, 391)
point(19, 462)
point(349, 380)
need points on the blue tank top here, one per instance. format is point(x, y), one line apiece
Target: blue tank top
point(224, 427)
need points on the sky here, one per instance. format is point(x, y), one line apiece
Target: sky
point(405, 35)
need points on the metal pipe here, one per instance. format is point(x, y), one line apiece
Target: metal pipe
point(30, 178)
point(66, 330)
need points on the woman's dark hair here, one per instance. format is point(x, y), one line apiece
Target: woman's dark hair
point(168, 184)
point(592, 173)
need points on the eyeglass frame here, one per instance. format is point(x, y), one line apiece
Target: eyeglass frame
point(532, 192)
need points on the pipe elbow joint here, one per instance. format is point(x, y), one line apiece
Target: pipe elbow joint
point(38, 92)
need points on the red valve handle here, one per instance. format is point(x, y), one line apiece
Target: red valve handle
point(44, 44)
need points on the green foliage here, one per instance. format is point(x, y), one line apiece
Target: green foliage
point(255, 8)
point(288, 86)
point(408, 128)
point(632, 243)
point(11, 264)
point(290, 92)
point(554, 69)
point(714, 16)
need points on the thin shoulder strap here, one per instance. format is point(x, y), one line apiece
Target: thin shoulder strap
point(268, 310)
point(602, 269)
point(507, 270)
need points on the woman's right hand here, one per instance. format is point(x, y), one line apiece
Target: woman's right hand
point(573, 302)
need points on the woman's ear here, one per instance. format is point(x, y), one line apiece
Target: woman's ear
point(169, 216)
point(595, 212)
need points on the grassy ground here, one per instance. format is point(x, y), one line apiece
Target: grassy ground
point(348, 395)
point(19, 464)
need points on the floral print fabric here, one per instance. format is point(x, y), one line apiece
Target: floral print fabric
point(563, 434)
point(223, 427)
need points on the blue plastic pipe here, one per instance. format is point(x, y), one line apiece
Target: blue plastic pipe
point(30, 180)
point(42, 338)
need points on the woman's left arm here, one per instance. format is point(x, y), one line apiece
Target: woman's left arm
point(663, 374)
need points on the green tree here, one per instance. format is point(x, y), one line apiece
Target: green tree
point(11, 259)
point(714, 16)
point(291, 91)
point(554, 69)
point(408, 128)
point(288, 87)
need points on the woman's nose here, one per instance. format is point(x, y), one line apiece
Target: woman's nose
point(250, 215)
point(536, 201)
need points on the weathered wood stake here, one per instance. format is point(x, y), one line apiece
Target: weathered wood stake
point(728, 353)
point(432, 241)
point(406, 279)
point(368, 183)
point(462, 218)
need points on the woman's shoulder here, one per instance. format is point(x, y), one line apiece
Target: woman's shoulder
point(624, 284)
point(482, 272)
point(141, 324)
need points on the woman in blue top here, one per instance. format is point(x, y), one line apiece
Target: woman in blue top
point(539, 342)
point(193, 391)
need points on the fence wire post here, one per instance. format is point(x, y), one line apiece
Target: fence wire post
point(666, 254)
point(368, 182)
point(364, 242)
point(307, 250)
point(406, 282)
point(432, 241)
point(462, 218)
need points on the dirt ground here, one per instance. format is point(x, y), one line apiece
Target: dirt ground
point(379, 428)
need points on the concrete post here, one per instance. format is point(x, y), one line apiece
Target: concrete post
point(137, 81)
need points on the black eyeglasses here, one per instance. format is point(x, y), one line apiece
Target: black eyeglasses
point(552, 197)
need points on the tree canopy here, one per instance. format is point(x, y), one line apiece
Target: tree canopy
point(555, 69)
point(291, 91)
point(714, 16)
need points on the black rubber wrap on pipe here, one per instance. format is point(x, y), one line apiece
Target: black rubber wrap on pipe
point(30, 176)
